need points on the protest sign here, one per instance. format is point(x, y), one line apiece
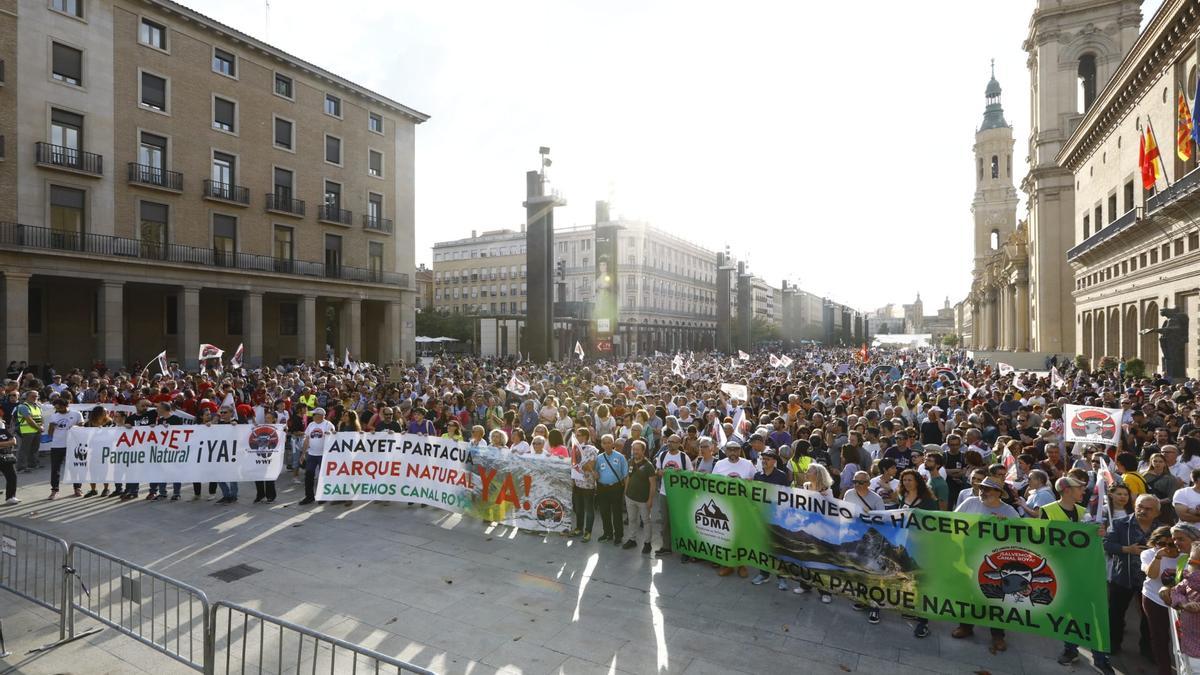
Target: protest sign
point(736, 391)
point(523, 491)
point(173, 454)
point(1087, 424)
point(1037, 576)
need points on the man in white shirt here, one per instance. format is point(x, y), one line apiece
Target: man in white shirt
point(733, 464)
point(316, 434)
point(669, 460)
point(59, 426)
point(1187, 500)
point(1177, 468)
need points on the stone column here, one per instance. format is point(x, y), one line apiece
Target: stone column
point(351, 320)
point(1011, 336)
point(1022, 315)
point(307, 320)
point(253, 329)
point(189, 328)
point(16, 316)
point(112, 323)
point(390, 342)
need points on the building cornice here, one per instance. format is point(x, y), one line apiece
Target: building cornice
point(1168, 35)
point(230, 33)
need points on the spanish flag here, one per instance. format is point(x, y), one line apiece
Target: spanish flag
point(1149, 159)
point(1183, 130)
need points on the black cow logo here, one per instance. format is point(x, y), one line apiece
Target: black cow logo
point(1095, 424)
point(264, 441)
point(1018, 577)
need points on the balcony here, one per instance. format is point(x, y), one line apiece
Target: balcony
point(1174, 192)
point(1108, 232)
point(284, 204)
point(69, 159)
point(334, 215)
point(155, 177)
point(226, 192)
point(15, 236)
point(376, 224)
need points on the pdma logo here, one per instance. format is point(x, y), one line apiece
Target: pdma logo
point(712, 523)
point(80, 452)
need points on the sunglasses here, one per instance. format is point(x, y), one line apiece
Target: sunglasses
point(861, 482)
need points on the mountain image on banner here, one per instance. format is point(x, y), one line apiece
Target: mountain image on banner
point(872, 553)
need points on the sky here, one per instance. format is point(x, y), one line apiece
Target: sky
point(829, 144)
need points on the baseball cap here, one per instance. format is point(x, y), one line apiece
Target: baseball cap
point(992, 483)
point(318, 411)
point(769, 452)
point(1066, 482)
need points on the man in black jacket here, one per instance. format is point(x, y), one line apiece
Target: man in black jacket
point(1124, 542)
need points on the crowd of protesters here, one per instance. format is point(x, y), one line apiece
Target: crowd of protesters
point(888, 428)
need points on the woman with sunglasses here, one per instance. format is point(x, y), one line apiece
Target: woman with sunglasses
point(1159, 563)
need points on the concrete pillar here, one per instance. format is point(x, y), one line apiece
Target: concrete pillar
point(112, 323)
point(307, 310)
point(16, 316)
point(351, 327)
point(390, 341)
point(1022, 315)
point(189, 327)
point(1011, 335)
point(253, 329)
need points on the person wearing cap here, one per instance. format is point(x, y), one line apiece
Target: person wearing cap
point(771, 473)
point(316, 434)
point(901, 451)
point(987, 503)
point(734, 466)
point(670, 459)
point(1067, 507)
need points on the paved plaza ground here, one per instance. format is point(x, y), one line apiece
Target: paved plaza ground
point(459, 596)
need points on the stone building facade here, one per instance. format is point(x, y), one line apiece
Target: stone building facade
point(180, 182)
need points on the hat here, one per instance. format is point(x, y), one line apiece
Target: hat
point(992, 483)
point(1066, 482)
point(769, 452)
point(733, 444)
point(318, 411)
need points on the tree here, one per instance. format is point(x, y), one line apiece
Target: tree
point(884, 329)
point(440, 323)
point(762, 330)
point(950, 340)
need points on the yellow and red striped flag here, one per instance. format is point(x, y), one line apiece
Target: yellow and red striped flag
point(1183, 130)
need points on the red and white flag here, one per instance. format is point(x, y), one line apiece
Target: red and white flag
point(773, 360)
point(236, 361)
point(743, 355)
point(162, 361)
point(208, 351)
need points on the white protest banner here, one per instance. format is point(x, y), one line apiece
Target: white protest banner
point(737, 391)
point(227, 453)
point(491, 484)
point(785, 361)
point(516, 386)
point(743, 355)
point(1087, 424)
point(773, 360)
point(1005, 369)
point(1056, 380)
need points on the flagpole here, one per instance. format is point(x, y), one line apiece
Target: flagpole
point(1161, 164)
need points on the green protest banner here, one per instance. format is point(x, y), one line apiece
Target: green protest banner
point(1029, 575)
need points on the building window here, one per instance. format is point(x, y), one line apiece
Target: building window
point(284, 243)
point(72, 7)
point(224, 239)
point(333, 196)
point(171, 315)
point(289, 318)
point(153, 34)
point(224, 171)
point(1112, 207)
point(995, 239)
point(152, 156)
point(333, 150)
point(224, 114)
point(375, 208)
point(1128, 196)
point(1098, 219)
point(154, 92)
point(284, 185)
point(1087, 82)
point(995, 166)
point(66, 217)
point(333, 105)
point(224, 62)
point(283, 86)
point(67, 64)
point(233, 316)
point(284, 134)
point(1087, 226)
point(152, 229)
point(333, 255)
point(375, 122)
point(375, 163)
point(375, 253)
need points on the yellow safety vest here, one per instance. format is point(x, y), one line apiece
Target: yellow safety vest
point(35, 412)
point(1054, 511)
point(309, 401)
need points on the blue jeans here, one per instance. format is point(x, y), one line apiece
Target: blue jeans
point(158, 489)
point(131, 489)
point(228, 490)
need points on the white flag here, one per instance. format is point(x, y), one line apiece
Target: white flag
point(229, 402)
point(1056, 380)
point(739, 421)
point(773, 360)
point(162, 361)
point(579, 350)
point(208, 351)
point(743, 355)
point(967, 385)
point(735, 391)
point(1006, 369)
point(236, 361)
point(346, 361)
point(1087, 424)
point(516, 386)
point(785, 361)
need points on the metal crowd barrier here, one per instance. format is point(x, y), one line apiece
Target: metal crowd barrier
point(250, 641)
point(1183, 665)
point(31, 565)
point(164, 614)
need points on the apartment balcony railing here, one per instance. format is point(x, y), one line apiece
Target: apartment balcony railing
point(153, 176)
point(70, 159)
point(377, 224)
point(17, 236)
point(226, 192)
point(332, 214)
point(283, 203)
point(1108, 232)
